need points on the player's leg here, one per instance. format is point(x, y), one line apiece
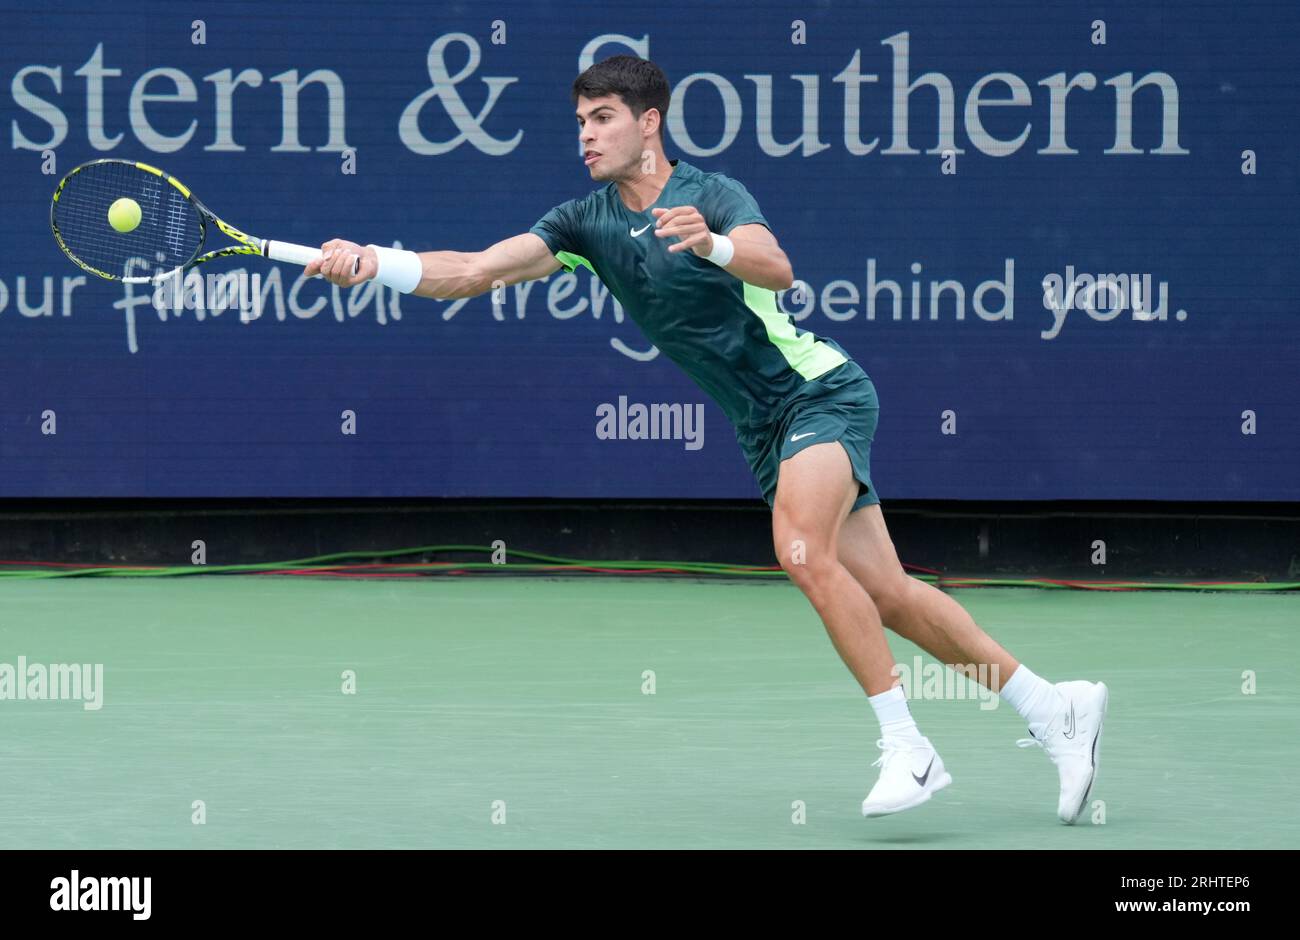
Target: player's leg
point(1065, 719)
point(814, 492)
point(913, 609)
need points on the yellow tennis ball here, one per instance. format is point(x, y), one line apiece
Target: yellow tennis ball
point(124, 215)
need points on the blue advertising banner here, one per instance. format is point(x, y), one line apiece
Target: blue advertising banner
point(1059, 238)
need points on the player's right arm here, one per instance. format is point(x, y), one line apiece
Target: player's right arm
point(447, 275)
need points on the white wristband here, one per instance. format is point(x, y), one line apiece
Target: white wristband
point(723, 250)
point(398, 269)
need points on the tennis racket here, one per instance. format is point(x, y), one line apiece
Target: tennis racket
point(172, 229)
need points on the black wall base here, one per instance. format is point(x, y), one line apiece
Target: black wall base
point(1226, 541)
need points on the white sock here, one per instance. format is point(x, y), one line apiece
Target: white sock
point(894, 716)
point(1032, 697)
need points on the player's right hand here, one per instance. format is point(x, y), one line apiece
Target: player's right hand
point(338, 257)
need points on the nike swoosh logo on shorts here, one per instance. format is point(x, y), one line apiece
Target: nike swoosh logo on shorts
point(637, 231)
point(800, 437)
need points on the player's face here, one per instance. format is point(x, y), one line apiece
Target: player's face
point(612, 146)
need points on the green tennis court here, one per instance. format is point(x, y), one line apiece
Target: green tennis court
point(526, 699)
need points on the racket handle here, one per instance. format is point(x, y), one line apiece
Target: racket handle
point(295, 254)
point(287, 251)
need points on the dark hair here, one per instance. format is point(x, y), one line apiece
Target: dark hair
point(640, 84)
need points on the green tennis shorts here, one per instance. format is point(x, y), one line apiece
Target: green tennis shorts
point(838, 406)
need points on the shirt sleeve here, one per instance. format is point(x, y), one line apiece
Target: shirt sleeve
point(560, 229)
point(727, 204)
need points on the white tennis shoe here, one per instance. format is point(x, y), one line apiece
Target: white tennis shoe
point(910, 773)
point(1072, 739)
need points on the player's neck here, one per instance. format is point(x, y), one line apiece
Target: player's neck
point(641, 193)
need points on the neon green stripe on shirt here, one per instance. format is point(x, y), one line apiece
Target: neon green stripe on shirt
point(806, 354)
point(571, 261)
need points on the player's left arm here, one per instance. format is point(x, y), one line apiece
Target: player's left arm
point(759, 259)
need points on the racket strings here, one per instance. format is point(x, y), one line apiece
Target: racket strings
point(169, 233)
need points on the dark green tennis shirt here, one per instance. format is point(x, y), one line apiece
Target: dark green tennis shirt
point(729, 337)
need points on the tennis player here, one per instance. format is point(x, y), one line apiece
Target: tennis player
point(694, 262)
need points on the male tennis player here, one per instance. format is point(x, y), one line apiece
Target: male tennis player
point(694, 262)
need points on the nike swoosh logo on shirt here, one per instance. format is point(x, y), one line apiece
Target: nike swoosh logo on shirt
point(637, 231)
point(800, 437)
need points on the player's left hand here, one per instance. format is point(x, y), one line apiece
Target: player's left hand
point(687, 224)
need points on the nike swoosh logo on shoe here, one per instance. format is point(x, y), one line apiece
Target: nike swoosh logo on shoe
point(920, 781)
point(1070, 728)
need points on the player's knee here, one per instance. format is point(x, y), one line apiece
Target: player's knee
point(793, 547)
point(811, 570)
point(890, 593)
